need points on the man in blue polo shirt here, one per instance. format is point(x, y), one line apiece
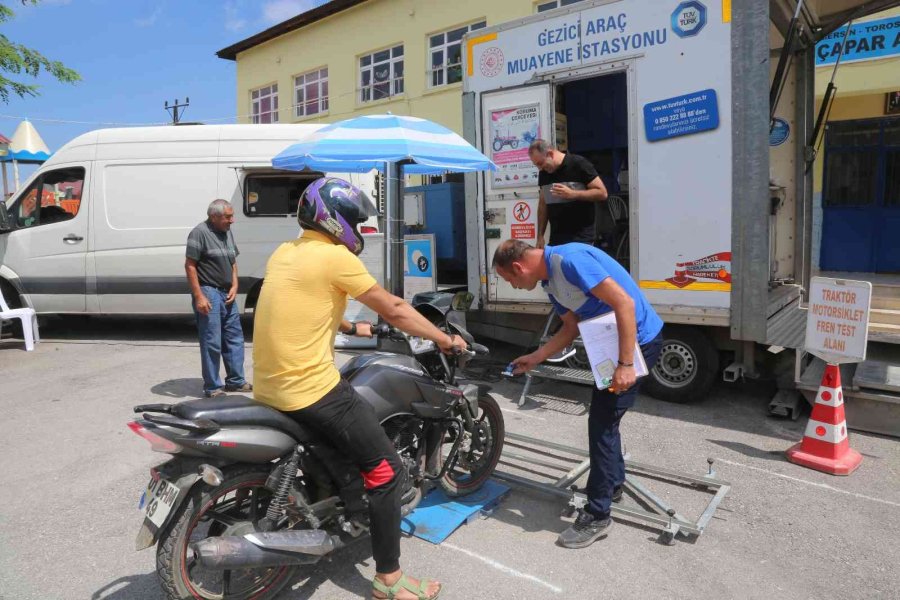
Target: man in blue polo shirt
point(584, 282)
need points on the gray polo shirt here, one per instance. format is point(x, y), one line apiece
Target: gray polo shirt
point(215, 253)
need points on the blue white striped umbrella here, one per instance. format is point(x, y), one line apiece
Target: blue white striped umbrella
point(364, 143)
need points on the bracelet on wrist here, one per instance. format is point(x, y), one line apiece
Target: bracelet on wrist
point(352, 330)
point(621, 364)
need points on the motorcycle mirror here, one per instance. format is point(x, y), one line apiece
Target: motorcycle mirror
point(462, 301)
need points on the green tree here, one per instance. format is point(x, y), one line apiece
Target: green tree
point(16, 59)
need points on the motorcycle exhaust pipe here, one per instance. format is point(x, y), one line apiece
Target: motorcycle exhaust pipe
point(263, 549)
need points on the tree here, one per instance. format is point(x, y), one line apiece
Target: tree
point(17, 59)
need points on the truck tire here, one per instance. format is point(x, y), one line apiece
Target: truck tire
point(687, 366)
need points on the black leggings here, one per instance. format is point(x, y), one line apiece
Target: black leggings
point(350, 424)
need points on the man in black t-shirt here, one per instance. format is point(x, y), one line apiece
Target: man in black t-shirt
point(569, 186)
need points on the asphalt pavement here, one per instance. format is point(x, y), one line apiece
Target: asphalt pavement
point(72, 475)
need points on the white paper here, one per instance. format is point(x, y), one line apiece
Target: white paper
point(601, 342)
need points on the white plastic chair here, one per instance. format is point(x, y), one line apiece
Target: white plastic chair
point(28, 318)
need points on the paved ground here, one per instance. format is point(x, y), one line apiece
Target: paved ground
point(72, 474)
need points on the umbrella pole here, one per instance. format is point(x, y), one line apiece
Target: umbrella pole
point(393, 225)
point(5, 183)
point(16, 174)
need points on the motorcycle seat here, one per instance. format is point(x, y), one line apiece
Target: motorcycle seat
point(240, 410)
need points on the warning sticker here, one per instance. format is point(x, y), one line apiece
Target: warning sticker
point(521, 211)
point(523, 231)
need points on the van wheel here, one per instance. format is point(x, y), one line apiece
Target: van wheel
point(687, 366)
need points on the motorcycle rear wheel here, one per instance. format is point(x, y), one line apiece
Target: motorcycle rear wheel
point(239, 501)
point(475, 466)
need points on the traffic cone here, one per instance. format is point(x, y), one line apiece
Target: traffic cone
point(825, 446)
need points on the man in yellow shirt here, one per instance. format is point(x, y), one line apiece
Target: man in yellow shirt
point(300, 310)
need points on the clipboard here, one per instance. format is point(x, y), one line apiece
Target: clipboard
point(600, 337)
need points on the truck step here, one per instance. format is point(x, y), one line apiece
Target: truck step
point(886, 290)
point(878, 375)
point(888, 334)
point(883, 316)
point(871, 390)
point(579, 376)
point(885, 302)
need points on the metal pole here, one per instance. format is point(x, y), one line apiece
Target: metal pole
point(16, 174)
point(393, 229)
point(5, 183)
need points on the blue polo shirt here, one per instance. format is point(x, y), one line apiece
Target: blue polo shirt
point(575, 269)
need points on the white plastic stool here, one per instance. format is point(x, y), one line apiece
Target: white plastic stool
point(28, 318)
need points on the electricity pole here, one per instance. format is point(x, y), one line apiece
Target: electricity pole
point(174, 109)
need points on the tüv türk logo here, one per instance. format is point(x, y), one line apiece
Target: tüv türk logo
point(688, 19)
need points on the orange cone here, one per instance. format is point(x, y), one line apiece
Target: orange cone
point(825, 446)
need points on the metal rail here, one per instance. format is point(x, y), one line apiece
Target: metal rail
point(660, 514)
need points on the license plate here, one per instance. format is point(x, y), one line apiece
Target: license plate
point(158, 500)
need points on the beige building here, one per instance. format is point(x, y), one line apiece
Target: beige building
point(857, 176)
point(352, 57)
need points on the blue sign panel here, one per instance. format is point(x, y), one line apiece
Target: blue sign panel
point(867, 41)
point(780, 132)
point(681, 115)
point(688, 19)
point(419, 253)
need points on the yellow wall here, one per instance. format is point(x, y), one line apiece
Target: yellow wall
point(338, 41)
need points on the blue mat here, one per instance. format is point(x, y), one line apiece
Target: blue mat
point(438, 516)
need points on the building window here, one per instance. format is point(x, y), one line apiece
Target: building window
point(446, 55)
point(381, 74)
point(311, 93)
point(264, 104)
point(544, 6)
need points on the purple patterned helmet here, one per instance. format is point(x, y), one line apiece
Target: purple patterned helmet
point(335, 207)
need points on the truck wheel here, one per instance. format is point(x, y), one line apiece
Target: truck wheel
point(687, 366)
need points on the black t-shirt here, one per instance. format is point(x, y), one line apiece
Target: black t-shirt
point(570, 221)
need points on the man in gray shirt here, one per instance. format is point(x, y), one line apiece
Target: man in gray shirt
point(211, 267)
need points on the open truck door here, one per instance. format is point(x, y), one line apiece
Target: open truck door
point(510, 120)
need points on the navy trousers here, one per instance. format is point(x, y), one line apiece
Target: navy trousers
point(605, 443)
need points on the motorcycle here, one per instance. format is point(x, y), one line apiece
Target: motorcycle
point(250, 495)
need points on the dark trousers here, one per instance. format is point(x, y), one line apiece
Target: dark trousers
point(605, 443)
point(350, 424)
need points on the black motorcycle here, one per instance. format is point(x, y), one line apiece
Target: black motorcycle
point(250, 495)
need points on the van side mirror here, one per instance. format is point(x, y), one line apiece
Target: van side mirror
point(5, 224)
point(462, 301)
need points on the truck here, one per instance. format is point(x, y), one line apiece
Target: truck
point(701, 117)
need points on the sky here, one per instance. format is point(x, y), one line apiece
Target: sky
point(133, 55)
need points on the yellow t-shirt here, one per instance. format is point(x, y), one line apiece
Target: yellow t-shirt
point(303, 299)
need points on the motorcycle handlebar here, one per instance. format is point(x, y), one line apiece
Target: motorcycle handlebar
point(385, 330)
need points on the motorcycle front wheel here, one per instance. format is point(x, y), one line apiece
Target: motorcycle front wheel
point(479, 451)
point(231, 508)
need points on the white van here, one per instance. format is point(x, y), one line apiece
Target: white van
point(101, 227)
